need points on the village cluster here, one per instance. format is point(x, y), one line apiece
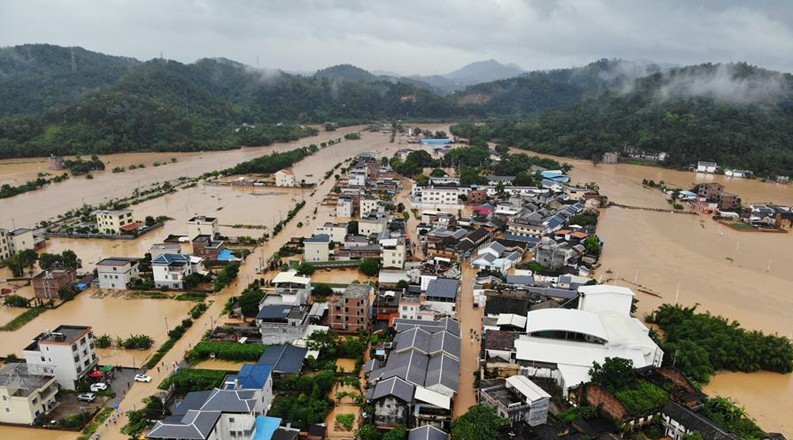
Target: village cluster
point(471, 295)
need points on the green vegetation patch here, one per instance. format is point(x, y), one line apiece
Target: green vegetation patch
point(194, 379)
point(229, 351)
point(24, 318)
point(642, 396)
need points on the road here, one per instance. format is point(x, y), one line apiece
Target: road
point(470, 320)
point(413, 222)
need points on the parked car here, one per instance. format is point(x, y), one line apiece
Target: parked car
point(87, 397)
point(142, 378)
point(98, 387)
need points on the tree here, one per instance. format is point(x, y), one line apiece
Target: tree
point(614, 375)
point(502, 149)
point(367, 432)
point(150, 221)
point(437, 172)
point(369, 266)
point(398, 433)
point(592, 245)
point(400, 207)
point(480, 422)
point(249, 301)
point(305, 269)
point(21, 261)
point(49, 261)
point(322, 290)
point(402, 285)
point(352, 227)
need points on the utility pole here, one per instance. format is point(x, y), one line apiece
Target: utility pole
point(677, 293)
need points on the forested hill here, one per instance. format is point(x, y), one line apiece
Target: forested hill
point(735, 114)
point(37, 77)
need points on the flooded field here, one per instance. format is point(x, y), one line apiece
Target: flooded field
point(13, 433)
point(744, 276)
point(219, 364)
point(340, 276)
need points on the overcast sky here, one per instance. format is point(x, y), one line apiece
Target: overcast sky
point(412, 37)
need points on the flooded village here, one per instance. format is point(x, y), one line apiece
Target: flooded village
point(348, 292)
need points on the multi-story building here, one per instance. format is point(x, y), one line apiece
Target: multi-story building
point(171, 269)
point(316, 248)
point(66, 353)
point(706, 167)
point(25, 398)
point(344, 207)
point(357, 177)
point(110, 221)
point(285, 178)
point(116, 273)
point(517, 399)
point(372, 225)
point(207, 248)
point(292, 288)
point(369, 205)
point(15, 241)
point(349, 310)
point(202, 225)
point(47, 284)
point(282, 323)
point(710, 191)
point(336, 231)
point(393, 252)
point(442, 196)
point(158, 249)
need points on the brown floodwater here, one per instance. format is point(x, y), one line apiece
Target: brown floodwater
point(743, 276)
point(219, 364)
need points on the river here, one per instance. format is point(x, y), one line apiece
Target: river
point(743, 276)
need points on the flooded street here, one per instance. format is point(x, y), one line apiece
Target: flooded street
point(470, 318)
point(744, 276)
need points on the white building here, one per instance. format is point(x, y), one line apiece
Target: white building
point(170, 270)
point(201, 225)
point(158, 249)
point(316, 248)
point(392, 251)
point(294, 289)
point(573, 339)
point(25, 397)
point(706, 167)
point(372, 225)
point(116, 273)
point(336, 231)
point(344, 207)
point(111, 221)
point(369, 205)
point(285, 178)
point(66, 353)
point(442, 196)
point(357, 177)
point(15, 241)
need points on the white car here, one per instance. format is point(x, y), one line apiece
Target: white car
point(98, 387)
point(142, 378)
point(87, 397)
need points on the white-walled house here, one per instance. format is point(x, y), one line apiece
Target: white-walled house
point(706, 167)
point(316, 248)
point(171, 269)
point(25, 397)
point(202, 225)
point(336, 231)
point(285, 177)
point(116, 273)
point(110, 221)
point(67, 352)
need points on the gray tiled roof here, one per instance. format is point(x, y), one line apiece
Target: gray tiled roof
point(415, 338)
point(445, 342)
point(234, 401)
point(448, 324)
point(427, 432)
point(194, 425)
point(443, 288)
point(276, 311)
point(396, 387)
point(410, 366)
point(284, 358)
point(443, 370)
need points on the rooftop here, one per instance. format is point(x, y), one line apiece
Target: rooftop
point(284, 358)
point(63, 334)
point(117, 261)
point(356, 290)
point(16, 379)
point(443, 288)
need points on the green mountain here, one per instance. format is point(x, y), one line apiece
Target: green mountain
point(738, 115)
point(38, 77)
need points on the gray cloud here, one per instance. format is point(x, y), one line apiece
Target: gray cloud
point(411, 36)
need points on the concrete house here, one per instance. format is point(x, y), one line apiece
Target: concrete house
point(517, 399)
point(170, 270)
point(158, 249)
point(344, 207)
point(336, 231)
point(282, 323)
point(393, 253)
point(441, 296)
point(285, 177)
point(111, 221)
point(15, 241)
point(66, 353)
point(202, 225)
point(292, 288)
point(207, 248)
point(369, 205)
point(25, 398)
point(116, 273)
point(350, 311)
point(316, 248)
point(47, 284)
point(706, 167)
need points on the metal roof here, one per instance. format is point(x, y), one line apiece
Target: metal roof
point(567, 320)
point(410, 366)
point(284, 358)
point(276, 311)
point(448, 324)
point(443, 288)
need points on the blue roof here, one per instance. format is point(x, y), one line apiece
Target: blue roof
point(171, 258)
point(254, 376)
point(522, 238)
point(226, 255)
point(437, 141)
point(284, 358)
point(266, 427)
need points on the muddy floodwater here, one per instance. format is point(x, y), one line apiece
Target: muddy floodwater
point(744, 276)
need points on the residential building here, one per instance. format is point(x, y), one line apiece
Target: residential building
point(111, 221)
point(679, 422)
point(158, 249)
point(316, 248)
point(729, 201)
point(517, 399)
point(497, 257)
point(372, 225)
point(170, 270)
point(496, 180)
point(393, 253)
point(476, 197)
point(117, 272)
point(293, 289)
point(369, 205)
point(564, 343)
point(25, 398)
point(427, 432)
point(349, 310)
point(67, 352)
point(441, 196)
point(357, 177)
point(336, 231)
point(611, 158)
point(284, 359)
point(202, 225)
point(48, 283)
point(553, 255)
point(344, 207)
point(282, 323)
point(441, 296)
point(285, 177)
point(15, 241)
point(206, 248)
point(706, 167)
point(710, 191)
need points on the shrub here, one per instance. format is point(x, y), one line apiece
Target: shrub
point(193, 379)
point(230, 351)
point(15, 301)
point(346, 421)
